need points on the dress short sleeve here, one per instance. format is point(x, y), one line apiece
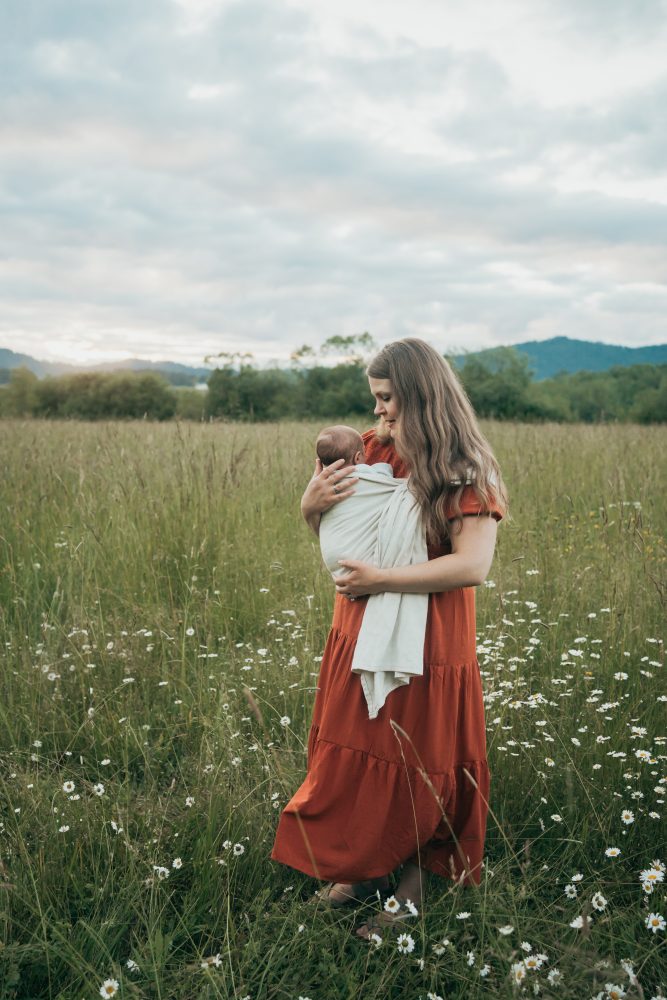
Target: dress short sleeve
point(470, 505)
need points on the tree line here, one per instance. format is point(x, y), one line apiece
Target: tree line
point(499, 384)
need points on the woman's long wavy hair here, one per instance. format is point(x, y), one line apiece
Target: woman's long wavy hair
point(438, 435)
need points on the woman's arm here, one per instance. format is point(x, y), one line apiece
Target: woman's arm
point(320, 495)
point(466, 566)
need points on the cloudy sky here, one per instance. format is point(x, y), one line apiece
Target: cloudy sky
point(182, 177)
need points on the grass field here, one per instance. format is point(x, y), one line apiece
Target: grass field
point(151, 574)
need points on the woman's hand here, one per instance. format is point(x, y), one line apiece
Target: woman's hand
point(361, 579)
point(326, 489)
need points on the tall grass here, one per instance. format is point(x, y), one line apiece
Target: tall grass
point(156, 583)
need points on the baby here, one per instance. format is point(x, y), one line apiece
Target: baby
point(350, 531)
point(380, 523)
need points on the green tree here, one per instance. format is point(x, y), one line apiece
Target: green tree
point(21, 393)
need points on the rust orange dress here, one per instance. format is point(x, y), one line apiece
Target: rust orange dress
point(376, 796)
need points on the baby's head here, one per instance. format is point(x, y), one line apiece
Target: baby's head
point(340, 441)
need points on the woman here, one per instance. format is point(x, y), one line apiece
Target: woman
point(410, 787)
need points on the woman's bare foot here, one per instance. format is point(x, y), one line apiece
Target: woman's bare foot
point(342, 893)
point(404, 905)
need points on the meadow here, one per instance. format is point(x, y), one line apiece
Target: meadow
point(163, 610)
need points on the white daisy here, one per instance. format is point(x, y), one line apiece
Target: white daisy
point(598, 901)
point(612, 852)
point(68, 786)
point(652, 875)
point(405, 943)
point(655, 922)
point(518, 972)
point(109, 988)
point(215, 960)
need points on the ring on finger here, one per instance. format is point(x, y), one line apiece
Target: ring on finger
point(335, 488)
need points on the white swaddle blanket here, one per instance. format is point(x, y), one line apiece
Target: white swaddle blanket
point(381, 524)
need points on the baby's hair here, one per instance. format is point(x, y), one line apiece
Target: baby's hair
point(338, 441)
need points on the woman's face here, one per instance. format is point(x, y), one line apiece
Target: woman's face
point(385, 403)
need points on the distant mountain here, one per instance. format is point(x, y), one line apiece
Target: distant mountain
point(562, 354)
point(547, 358)
point(172, 371)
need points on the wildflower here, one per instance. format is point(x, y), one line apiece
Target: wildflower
point(463, 915)
point(177, 863)
point(392, 905)
point(485, 970)
point(239, 849)
point(507, 929)
point(68, 786)
point(628, 816)
point(189, 801)
point(598, 902)
point(215, 960)
point(533, 961)
point(612, 852)
point(570, 891)
point(189, 631)
point(63, 829)
point(375, 938)
point(132, 965)
point(109, 988)
point(518, 972)
point(614, 992)
point(526, 946)
point(162, 872)
point(105, 762)
point(578, 922)
point(651, 875)
point(553, 976)
point(409, 905)
point(577, 877)
point(99, 789)
point(655, 922)
point(285, 721)
point(470, 955)
point(405, 943)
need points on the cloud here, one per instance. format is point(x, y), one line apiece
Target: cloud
point(181, 178)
